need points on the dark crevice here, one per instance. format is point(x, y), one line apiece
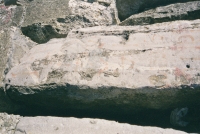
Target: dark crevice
point(91, 1)
point(14, 2)
point(145, 50)
point(10, 2)
point(145, 117)
point(41, 33)
point(126, 35)
point(189, 16)
point(60, 103)
point(61, 20)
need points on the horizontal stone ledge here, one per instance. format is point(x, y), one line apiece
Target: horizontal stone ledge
point(130, 7)
point(49, 125)
point(110, 69)
point(24, 125)
point(173, 12)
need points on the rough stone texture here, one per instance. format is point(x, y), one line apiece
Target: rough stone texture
point(55, 125)
point(126, 8)
point(13, 45)
point(178, 11)
point(8, 123)
point(100, 69)
point(4, 48)
point(43, 20)
point(130, 67)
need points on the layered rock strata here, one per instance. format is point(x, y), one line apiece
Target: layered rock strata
point(100, 69)
point(91, 66)
point(41, 21)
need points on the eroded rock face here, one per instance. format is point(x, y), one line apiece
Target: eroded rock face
point(178, 11)
point(91, 66)
point(13, 46)
point(43, 20)
point(130, 7)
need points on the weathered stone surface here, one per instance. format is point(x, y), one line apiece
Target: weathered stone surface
point(43, 20)
point(28, 17)
point(178, 11)
point(4, 48)
point(12, 47)
point(126, 8)
point(13, 44)
point(52, 125)
point(99, 67)
point(8, 123)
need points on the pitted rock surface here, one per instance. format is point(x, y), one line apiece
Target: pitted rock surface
point(8, 123)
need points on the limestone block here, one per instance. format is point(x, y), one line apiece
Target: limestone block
point(98, 67)
point(55, 125)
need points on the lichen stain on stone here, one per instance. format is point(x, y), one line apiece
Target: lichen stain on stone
point(55, 74)
point(181, 76)
point(88, 74)
point(157, 80)
point(114, 73)
point(185, 38)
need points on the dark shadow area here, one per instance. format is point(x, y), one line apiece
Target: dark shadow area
point(150, 20)
point(189, 16)
point(13, 2)
point(131, 7)
point(146, 117)
point(10, 2)
point(41, 34)
point(71, 101)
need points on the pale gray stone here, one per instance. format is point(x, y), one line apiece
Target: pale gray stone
point(8, 123)
point(98, 67)
point(41, 19)
point(55, 125)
